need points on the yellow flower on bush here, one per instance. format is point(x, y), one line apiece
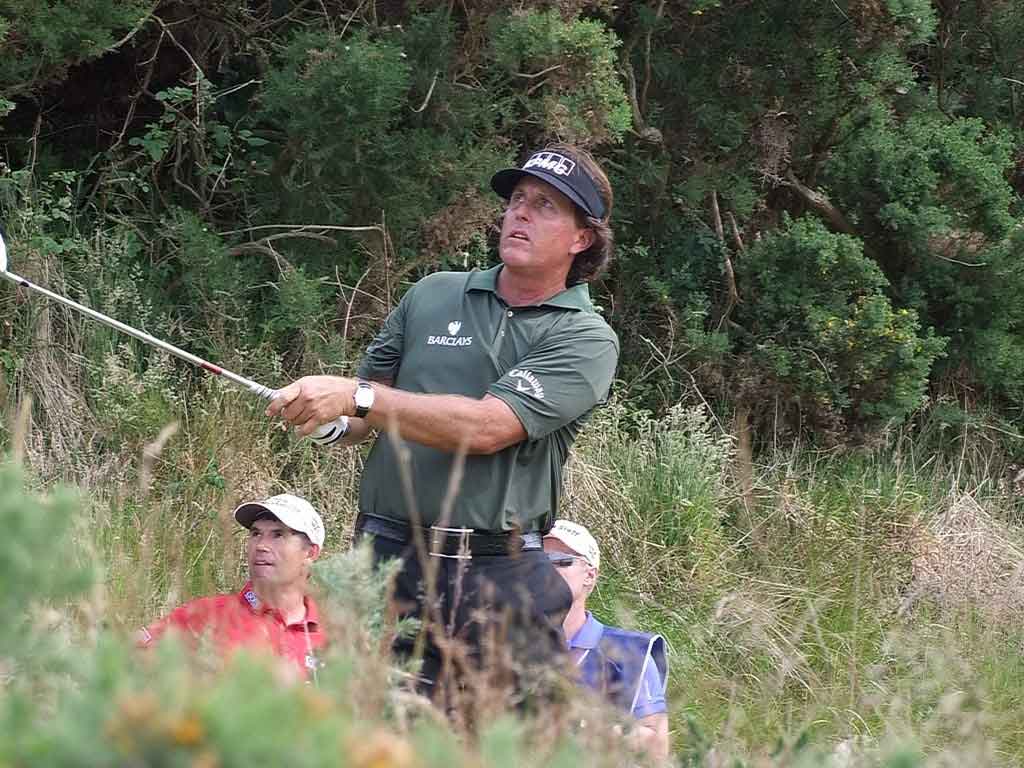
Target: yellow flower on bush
point(132, 716)
point(186, 731)
point(380, 749)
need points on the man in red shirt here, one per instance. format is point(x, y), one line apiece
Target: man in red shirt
point(272, 612)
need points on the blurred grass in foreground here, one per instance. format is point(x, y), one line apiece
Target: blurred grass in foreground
point(808, 640)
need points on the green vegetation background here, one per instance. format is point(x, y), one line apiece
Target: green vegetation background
point(809, 478)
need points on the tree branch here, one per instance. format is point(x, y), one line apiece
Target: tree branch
point(430, 92)
point(733, 297)
point(134, 31)
point(647, 54)
point(820, 204)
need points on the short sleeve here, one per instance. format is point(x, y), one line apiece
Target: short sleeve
point(384, 355)
point(650, 698)
point(561, 379)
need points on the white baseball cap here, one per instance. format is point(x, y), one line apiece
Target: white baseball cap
point(578, 539)
point(297, 513)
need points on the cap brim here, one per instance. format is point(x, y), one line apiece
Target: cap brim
point(504, 183)
point(556, 537)
point(248, 512)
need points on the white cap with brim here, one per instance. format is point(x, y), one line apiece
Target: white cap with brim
point(297, 513)
point(578, 539)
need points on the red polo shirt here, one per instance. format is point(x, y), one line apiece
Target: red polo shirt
point(239, 621)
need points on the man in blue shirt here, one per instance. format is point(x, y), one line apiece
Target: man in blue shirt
point(629, 668)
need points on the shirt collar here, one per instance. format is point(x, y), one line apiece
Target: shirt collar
point(588, 635)
point(248, 597)
point(312, 614)
point(576, 297)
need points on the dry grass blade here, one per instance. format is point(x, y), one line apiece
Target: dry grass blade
point(965, 559)
point(51, 370)
point(21, 429)
point(151, 453)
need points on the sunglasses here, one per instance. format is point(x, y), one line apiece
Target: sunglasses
point(562, 560)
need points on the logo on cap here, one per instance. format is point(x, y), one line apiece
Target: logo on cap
point(552, 162)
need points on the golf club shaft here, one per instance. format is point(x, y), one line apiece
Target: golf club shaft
point(252, 386)
point(324, 435)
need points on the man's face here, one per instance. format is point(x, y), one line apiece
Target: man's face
point(539, 232)
point(577, 572)
point(279, 556)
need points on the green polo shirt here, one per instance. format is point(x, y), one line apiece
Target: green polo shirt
point(550, 363)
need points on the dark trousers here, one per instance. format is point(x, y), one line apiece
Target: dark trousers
point(496, 620)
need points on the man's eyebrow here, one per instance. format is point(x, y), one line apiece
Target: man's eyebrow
point(272, 527)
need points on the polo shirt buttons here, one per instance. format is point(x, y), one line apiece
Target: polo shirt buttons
point(510, 313)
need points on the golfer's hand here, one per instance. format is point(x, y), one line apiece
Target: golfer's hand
point(312, 401)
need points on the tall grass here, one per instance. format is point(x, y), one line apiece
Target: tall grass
point(801, 631)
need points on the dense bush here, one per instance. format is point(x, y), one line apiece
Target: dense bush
point(281, 175)
point(821, 327)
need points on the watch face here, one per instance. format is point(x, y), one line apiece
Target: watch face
point(364, 396)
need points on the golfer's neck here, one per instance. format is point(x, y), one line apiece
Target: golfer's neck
point(287, 599)
point(521, 288)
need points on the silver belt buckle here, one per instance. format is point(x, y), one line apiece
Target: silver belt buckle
point(438, 534)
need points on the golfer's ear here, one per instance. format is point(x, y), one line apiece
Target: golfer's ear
point(584, 239)
point(314, 551)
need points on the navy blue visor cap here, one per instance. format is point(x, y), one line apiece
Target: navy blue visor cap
point(560, 171)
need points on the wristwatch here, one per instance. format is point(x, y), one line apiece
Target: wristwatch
point(364, 399)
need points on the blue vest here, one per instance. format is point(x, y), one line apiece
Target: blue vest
point(616, 666)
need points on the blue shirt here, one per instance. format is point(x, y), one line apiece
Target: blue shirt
point(648, 699)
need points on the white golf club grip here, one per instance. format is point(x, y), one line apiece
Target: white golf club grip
point(326, 434)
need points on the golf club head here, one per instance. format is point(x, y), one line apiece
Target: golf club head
point(3, 253)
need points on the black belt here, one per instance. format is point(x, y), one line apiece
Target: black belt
point(460, 543)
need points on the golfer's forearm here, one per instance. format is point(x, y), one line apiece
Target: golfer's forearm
point(446, 422)
point(358, 431)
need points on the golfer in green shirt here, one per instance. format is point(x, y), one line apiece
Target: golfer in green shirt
point(504, 366)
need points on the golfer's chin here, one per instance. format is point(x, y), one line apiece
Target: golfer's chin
point(516, 253)
point(261, 572)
